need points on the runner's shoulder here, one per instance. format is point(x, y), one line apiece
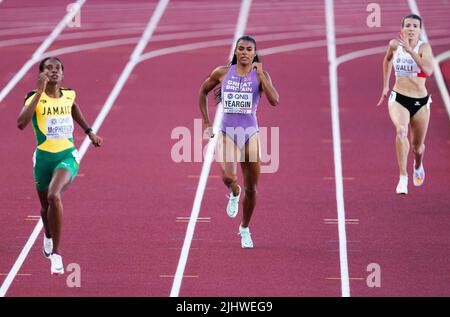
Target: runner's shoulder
point(30, 94)
point(393, 44)
point(220, 72)
point(69, 92)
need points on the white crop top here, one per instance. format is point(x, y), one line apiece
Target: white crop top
point(405, 65)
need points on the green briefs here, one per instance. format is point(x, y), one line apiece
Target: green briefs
point(46, 163)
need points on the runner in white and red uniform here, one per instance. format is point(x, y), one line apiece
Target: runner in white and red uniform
point(409, 101)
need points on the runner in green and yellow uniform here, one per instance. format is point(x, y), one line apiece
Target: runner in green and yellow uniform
point(52, 109)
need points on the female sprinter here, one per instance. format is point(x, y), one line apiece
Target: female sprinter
point(409, 102)
point(52, 109)
point(242, 83)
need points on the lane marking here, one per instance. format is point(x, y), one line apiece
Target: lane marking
point(351, 278)
point(171, 276)
point(346, 141)
point(345, 219)
point(199, 219)
point(198, 176)
point(18, 274)
point(134, 60)
point(334, 99)
point(23, 254)
point(328, 178)
point(41, 49)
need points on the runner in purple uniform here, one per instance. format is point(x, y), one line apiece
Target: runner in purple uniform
point(242, 83)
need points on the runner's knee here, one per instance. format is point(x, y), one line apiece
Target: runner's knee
point(250, 191)
point(418, 149)
point(54, 198)
point(229, 179)
point(402, 132)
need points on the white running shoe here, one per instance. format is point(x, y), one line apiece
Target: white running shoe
point(57, 267)
point(402, 187)
point(246, 240)
point(419, 175)
point(48, 246)
point(233, 204)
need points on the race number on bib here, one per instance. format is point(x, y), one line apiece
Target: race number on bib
point(237, 102)
point(59, 127)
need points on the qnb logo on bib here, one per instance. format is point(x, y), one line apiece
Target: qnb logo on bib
point(59, 127)
point(237, 102)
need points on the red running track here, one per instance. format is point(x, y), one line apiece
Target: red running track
point(121, 222)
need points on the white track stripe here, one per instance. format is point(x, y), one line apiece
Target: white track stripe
point(175, 291)
point(334, 98)
point(443, 57)
point(41, 49)
point(241, 24)
point(23, 254)
point(436, 68)
point(223, 42)
point(98, 122)
point(134, 59)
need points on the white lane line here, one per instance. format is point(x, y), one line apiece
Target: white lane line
point(241, 24)
point(356, 54)
point(197, 45)
point(443, 57)
point(41, 49)
point(71, 36)
point(176, 285)
point(98, 122)
point(334, 98)
point(134, 59)
point(436, 68)
point(183, 47)
point(22, 256)
point(382, 49)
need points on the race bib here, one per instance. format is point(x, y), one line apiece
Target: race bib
point(59, 127)
point(237, 102)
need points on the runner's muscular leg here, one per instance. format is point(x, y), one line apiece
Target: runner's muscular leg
point(228, 154)
point(250, 171)
point(419, 127)
point(43, 194)
point(60, 181)
point(400, 118)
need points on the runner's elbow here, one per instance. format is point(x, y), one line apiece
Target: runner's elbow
point(21, 125)
point(274, 101)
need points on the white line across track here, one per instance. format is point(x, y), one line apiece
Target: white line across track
point(41, 49)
